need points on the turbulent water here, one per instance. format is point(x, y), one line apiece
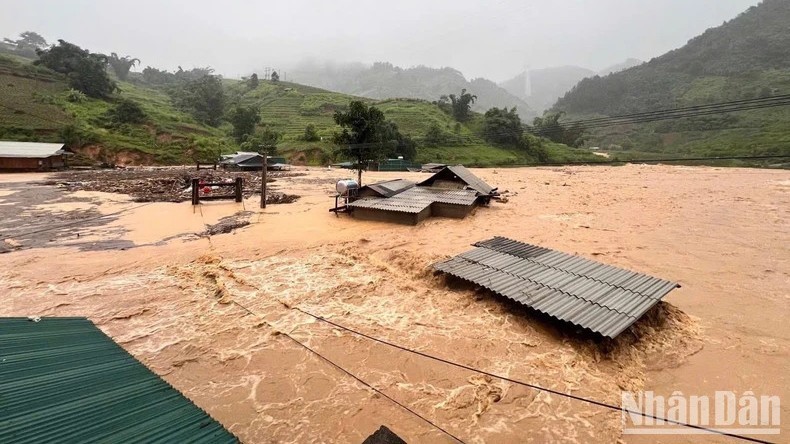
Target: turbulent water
point(220, 317)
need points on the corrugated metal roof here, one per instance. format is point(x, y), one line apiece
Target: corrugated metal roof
point(62, 379)
point(389, 188)
point(596, 296)
point(416, 199)
point(391, 204)
point(30, 149)
point(473, 181)
point(456, 197)
point(464, 175)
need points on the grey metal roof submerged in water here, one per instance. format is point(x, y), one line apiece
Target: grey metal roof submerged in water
point(62, 379)
point(461, 173)
point(389, 188)
point(416, 199)
point(596, 296)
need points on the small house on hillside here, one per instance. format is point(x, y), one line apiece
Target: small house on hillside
point(31, 156)
point(452, 192)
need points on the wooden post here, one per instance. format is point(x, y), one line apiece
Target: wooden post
point(238, 188)
point(195, 191)
point(263, 180)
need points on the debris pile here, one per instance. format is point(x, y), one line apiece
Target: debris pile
point(165, 185)
point(228, 224)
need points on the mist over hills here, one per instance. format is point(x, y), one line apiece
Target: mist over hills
point(383, 80)
point(542, 87)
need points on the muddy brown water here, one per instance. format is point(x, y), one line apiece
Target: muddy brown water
point(209, 314)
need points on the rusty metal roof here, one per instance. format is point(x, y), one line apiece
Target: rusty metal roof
point(62, 379)
point(596, 296)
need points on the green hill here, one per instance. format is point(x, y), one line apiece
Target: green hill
point(747, 57)
point(37, 105)
point(383, 80)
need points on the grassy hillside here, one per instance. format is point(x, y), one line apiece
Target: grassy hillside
point(37, 105)
point(745, 58)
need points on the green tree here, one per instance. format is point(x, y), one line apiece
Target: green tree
point(203, 97)
point(502, 126)
point(244, 119)
point(85, 71)
point(127, 111)
point(27, 44)
point(121, 65)
point(262, 141)
point(156, 76)
point(434, 135)
point(549, 127)
point(275, 76)
point(461, 105)
point(253, 81)
point(365, 134)
point(310, 134)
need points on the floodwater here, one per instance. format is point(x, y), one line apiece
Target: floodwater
point(217, 316)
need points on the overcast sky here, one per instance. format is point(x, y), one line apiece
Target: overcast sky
point(493, 39)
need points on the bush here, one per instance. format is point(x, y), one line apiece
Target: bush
point(310, 134)
point(127, 111)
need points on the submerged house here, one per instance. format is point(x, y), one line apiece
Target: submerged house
point(30, 156)
point(452, 192)
point(251, 161)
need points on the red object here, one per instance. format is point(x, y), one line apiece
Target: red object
point(206, 190)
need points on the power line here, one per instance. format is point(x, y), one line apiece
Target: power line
point(522, 383)
point(347, 372)
point(687, 108)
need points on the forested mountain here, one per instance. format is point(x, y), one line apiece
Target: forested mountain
point(747, 57)
point(628, 63)
point(736, 53)
point(384, 81)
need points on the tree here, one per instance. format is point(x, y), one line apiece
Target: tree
point(461, 105)
point(275, 76)
point(27, 44)
point(310, 134)
point(127, 111)
point(444, 104)
point(549, 127)
point(434, 135)
point(502, 126)
point(156, 76)
point(203, 97)
point(263, 141)
point(253, 81)
point(85, 71)
point(244, 119)
point(366, 134)
point(269, 139)
point(121, 65)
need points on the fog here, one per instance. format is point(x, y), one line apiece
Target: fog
point(492, 39)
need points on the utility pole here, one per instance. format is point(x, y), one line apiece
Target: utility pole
point(263, 179)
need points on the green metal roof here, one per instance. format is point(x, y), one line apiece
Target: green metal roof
point(62, 379)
